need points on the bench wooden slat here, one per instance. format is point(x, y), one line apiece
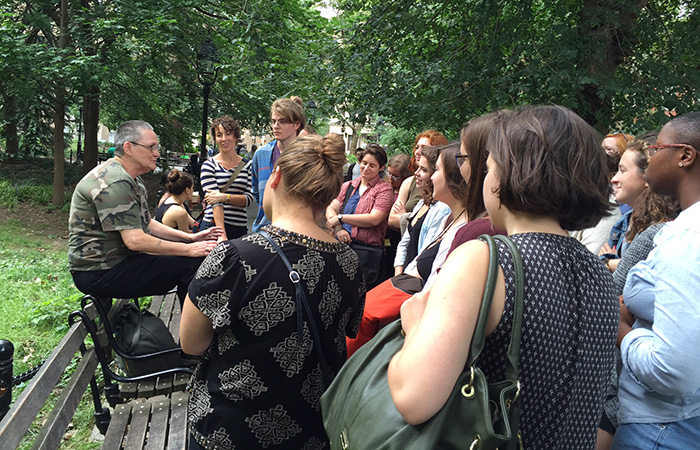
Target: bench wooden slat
point(175, 322)
point(158, 431)
point(140, 416)
point(147, 389)
point(180, 381)
point(178, 436)
point(23, 412)
point(156, 304)
point(164, 385)
point(52, 432)
point(117, 427)
point(166, 313)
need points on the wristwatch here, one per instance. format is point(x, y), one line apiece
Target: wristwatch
point(340, 218)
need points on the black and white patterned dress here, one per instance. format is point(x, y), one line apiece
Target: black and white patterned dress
point(259, 384)
point(568, 340)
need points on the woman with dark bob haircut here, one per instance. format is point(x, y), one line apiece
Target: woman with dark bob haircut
point(546, 174)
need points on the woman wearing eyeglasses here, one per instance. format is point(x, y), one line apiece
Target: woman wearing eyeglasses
point(227, 182)
point(659, 389)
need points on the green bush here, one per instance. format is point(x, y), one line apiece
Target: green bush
point(35, 194)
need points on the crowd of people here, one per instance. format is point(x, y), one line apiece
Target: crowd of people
point(608, 229)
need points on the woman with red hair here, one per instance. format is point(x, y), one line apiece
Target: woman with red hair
point(409, 194)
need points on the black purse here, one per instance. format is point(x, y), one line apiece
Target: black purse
point(137, 333)
point(359, 413)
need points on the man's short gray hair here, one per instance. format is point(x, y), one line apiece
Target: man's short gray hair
point(129, 131)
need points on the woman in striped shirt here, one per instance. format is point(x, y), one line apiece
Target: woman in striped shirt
point(226, 207)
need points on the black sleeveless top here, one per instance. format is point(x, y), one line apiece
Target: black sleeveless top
point(160, 211)
point(567, 346)
point(414, 232)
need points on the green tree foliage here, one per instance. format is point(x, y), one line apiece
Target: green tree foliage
point(437, 63)
point(124, 59)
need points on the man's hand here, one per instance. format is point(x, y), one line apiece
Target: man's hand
point(199, 249)
point(210, 234)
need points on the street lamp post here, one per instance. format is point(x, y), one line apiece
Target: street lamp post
point(79, 149)
point(207, 59)
point(311, 107)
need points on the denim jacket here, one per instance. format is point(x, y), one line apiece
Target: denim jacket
point(660, 380)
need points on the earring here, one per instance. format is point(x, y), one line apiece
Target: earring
point(680, 164)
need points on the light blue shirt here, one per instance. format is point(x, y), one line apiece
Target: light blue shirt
point(660, 380)
point(260, 172)
point(432, 225)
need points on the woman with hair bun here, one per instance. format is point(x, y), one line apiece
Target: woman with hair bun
point(260, 371)
point(174, 211)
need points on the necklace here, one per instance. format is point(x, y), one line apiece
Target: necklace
point(439, 237)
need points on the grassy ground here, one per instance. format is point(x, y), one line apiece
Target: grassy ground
point(37, 288)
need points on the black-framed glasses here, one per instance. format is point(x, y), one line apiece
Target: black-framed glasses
point(153, 148)
point(460, 158)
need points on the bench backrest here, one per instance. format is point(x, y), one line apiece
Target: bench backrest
point(25, 410)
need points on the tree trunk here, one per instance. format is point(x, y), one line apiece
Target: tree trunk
point(91, 118)
point(11, 138)
point(59, 155)
point(356, 134)
point(59, 120)
point(610, 41)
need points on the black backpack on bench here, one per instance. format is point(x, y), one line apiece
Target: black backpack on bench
point(139, 333)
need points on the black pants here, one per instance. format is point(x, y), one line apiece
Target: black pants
point(140, 275)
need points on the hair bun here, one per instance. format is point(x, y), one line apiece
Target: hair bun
point(332, 149)
point(174, 175)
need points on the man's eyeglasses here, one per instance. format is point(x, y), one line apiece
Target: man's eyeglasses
point(394, 177)
point(153, 148)
point(460, 158)
point(279, 122)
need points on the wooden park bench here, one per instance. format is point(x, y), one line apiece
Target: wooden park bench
point(150, 411)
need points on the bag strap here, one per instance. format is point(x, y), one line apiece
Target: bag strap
point(234, 175)
point(302, 306)
point(348, 194)
point(478, 338)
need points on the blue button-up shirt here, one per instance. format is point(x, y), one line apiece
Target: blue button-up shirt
point(660, 380)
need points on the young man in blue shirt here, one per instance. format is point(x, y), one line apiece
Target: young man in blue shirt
point(287, 120)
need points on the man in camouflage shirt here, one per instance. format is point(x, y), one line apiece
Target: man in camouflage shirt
point(116, 249)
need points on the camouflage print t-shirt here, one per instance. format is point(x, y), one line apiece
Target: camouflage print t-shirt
point(105, 201)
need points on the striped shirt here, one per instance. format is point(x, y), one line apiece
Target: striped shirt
point(214, 177)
